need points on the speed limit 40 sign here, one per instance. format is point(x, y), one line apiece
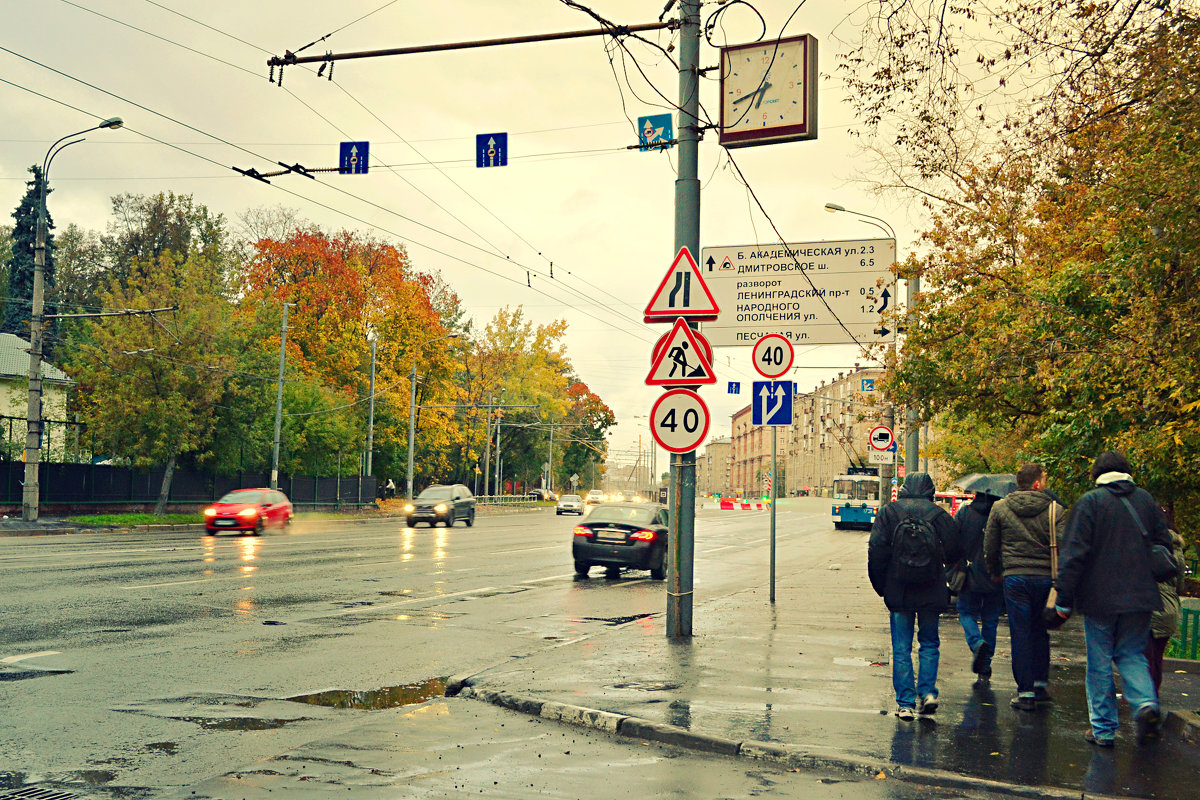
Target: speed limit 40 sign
point(679, 421)
point(773, 355)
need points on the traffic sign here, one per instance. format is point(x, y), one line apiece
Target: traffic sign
point(771, 403)
point(882, 456)
point(655, 132)
point(773, 355)
point(682, 361)
point(735, 387)
point(662, 342)
point(679, 420)
point(491, 150)
point(766, 289)
point(682, 293)
point(881, 437)
point(352, 158)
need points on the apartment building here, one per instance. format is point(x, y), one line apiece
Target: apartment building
point(712, 467)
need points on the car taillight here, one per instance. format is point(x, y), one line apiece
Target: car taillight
point(643, 536)
point(580, 530)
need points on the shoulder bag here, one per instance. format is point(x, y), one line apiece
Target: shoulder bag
point(1162, 563)
point(1052, 598)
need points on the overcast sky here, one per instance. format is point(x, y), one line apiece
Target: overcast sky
point(570, 194)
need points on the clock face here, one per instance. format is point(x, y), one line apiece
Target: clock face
point(768, 92)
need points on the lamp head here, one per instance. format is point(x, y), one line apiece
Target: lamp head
point(832, 207)
point(112, 122)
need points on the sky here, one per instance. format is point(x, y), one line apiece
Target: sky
point(191, 83)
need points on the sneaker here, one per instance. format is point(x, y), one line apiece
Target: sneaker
point(929, 704)
point(1149, 724)
point(985, 674)
point(1090, 738)
point(1041, 696)
point(983, 659)
point(906, 714)
point(1024, 702)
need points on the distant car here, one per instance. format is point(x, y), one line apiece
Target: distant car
point(445, 504)
point(594, 496)
point(569, 504)
point(541, 494)
point(616, 535)
point(252, 510)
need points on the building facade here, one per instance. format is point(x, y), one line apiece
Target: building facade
point(712, 467)
point(830, 427)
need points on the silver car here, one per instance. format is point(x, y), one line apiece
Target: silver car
point(569, 504)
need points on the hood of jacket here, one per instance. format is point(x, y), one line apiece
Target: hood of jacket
point(1028, 503)
point(1121, 488)
point(983, 503)
point(918, 484)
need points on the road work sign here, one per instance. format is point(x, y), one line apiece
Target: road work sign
point(801, 291)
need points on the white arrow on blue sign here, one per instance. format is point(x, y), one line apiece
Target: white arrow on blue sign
point(655, 132)
point(352, 158)
point(491, 150)
point(771, 403)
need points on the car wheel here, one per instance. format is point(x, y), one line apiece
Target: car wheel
point(581, 568)
point(470, 520)
point(450, 520)
point(258, 528)
point(558, 512)
point(612, 572)
point(659, 572)
point(408, 522)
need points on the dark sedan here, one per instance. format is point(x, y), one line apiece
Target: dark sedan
point(445, 504)
point(616, 535)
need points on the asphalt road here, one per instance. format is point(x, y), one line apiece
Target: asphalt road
point(132, 664)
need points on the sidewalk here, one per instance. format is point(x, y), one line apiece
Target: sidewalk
point(813, 688)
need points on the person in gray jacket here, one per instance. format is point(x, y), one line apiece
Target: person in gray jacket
point(1016, 547)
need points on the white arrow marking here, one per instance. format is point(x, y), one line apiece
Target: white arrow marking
point(777, 391)
point(15, 659)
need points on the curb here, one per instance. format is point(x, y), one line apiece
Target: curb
point(1183, 724)
point(785, 755)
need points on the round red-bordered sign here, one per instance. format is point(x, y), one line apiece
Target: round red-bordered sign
point(679, 421)
point(881, 437)
point(770, 353)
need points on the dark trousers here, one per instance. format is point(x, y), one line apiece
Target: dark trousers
point(1025, 597)
point(1155, 651)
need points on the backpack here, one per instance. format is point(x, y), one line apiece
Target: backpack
point(916, 551)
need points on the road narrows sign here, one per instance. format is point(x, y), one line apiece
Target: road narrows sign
point(679, 420)
point(682, 293)
point(773, 355)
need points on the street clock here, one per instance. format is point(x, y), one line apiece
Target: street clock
point(769, 91)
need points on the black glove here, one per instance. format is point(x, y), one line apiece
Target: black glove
point(1053, 618)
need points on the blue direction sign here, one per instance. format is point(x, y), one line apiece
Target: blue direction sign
point(353, 158)
point(491, 150)
point(771, 403)
point(735, 387)
point(655, 132)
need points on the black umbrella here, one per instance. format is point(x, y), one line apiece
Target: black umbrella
point(995, 484)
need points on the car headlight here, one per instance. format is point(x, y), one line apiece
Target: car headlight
point(210, 512)
point(408, 509)
point(248, 513)
point(440, 508)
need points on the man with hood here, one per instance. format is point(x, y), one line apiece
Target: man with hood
point(1016, 547)
point(1106, 575)
point(912, 541)
point(981, 600)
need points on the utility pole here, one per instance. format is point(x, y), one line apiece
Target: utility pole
point(371, 411)
point(887, 471)
point(487, 448)
point(279, 402)
point(681, 544)
point(912, 439)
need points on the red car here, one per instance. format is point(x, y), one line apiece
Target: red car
point(248, 510)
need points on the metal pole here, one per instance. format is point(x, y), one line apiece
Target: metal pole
point(774, 494)
point(487, 448)
point(687, 234)
point(33, 428)
point(371, 415)
point(279, 401)
point(912, 442)
point(550, 464)
point(412, 424)
point(887, 471)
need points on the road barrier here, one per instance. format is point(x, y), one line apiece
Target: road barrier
point(740, 505)
point(1188, 643)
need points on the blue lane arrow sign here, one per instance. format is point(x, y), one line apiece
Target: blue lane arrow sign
point(655, 132)
point(735, 387)
point(771, 403)
point(352, 158)
point(491, 150)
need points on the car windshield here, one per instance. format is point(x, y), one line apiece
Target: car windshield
point(242, 497)
point(638, 514)
point(436, 493)
point(574, 497)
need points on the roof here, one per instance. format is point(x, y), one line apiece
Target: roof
point(14, 361)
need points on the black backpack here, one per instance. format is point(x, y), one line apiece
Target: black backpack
point(916, 551)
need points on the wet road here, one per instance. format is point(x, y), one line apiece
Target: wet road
point(149, 660)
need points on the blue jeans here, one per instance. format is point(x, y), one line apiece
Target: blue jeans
point(1025, 596)
point(903, 625)
point(979, 615)
point(1119, 639)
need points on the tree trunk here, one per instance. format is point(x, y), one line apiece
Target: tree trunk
point(165, 491)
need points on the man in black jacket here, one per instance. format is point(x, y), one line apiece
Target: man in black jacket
point(912, 541)
point(1105, 574)
point(981, 600)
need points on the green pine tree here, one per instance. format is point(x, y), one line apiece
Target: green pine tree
point(20, 265)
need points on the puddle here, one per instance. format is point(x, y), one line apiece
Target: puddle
point(170, 748)
point(239, 723)
point(647, 686)
point(26, 674)
point(618, 620)
point(375, 699)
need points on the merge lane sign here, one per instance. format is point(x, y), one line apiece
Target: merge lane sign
point(682, 293)
point(679, 421)
point(763, 289)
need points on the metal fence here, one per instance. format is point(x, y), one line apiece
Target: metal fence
point(516, 500)
point(1188, 643)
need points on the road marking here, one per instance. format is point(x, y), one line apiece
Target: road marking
point(177, 583)
point(410, 601)
point(535, 549)
point(551, 578)
point(15, 659)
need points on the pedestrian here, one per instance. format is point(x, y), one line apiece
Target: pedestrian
point(981, 599)
point(912, 541)
point(1016, 546)
point(1106, 574)
point(1165, 624)
point(390, 488)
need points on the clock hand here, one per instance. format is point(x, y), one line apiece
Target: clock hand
point(762, 92)
point(745, 97)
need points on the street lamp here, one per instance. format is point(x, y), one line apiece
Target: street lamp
point(412, 410)
point(373, 338)
point(33, 415)
point(912, 441)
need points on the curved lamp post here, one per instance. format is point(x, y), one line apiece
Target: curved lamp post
point(412, 409)
point(33, 415)
point(912, 441)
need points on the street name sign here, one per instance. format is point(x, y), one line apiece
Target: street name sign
point(679, 421)
point(682, 293)
point(771, 403)
point(682, 360)
point(784, 289)
point(352, 158)
point(491, 150)
point(773, 355)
